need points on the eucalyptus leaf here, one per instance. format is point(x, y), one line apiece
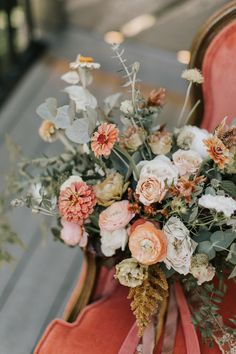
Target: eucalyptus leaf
point(81, 96)
point(203, 235)
point(91, 115)
point(78, 131)
point(71, 77)
point(229, 187)
point(222, 239)
point(207, 248)
point(193, 214)
point(48, 109)
point(232, 254)
point(111, 102)
point(62, 119)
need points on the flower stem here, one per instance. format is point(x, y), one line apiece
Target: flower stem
point(184, 105)
point(66, 143)
point(191, 112)
point(132, 163)
point(120, 157)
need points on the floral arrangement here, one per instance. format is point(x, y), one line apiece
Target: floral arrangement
point(159, 205)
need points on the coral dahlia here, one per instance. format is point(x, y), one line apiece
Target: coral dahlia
point(104, 139)
point(76, 202)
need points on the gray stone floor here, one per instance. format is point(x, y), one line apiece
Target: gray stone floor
point(35, 288)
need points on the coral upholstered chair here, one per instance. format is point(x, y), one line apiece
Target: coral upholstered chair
point(214, 52)
point(98, 318)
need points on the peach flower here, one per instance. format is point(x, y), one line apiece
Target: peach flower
point(104, 139)
point(160, 142)
point(47, 131)
point(148, 244)
point(73, 234)
point(116, 216)
point(187, 161)
point(150, 189)
point(217, 151)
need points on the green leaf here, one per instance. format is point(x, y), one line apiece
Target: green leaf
point(203, 235)
point(111, 102)
point(229, 187)
point(48, 109)
point(78, 131)
point(193, 214)
point(207, 248)
point(221, 240)
point(233, 273)
point(232, 254)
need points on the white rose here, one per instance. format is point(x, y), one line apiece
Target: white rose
point(151, 189)
point(127, 107)
point(187, 161)
point(201, 269)
point(191, 137)
point(161, 167)
point(180, 246)
point(221, 204)
point(69, 181)
point(113, 240)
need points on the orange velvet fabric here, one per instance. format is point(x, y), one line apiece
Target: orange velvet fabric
point(219, 68)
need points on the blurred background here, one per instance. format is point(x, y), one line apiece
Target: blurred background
point(37, 40)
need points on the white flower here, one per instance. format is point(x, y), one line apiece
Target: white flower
point(71, 77)
point(126, 107)
point(191, 137)
point(161, 167)
point(113, 240)
point(221, 204)
point(193, 75)
point(81, 96)
point(69, 181)
point(130, 273)
point(84, 62)
point(201, 269)
point(187, 161)
point(180, 246)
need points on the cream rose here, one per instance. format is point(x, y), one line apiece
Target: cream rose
point(160, 143)
point(180, 246)
point(187, 162)
point(112, 241)
point(151, 189)
point(130, 273)
point(133, 138)
point(116, 216)
point(161, 167)
point(201, 269)
point(110, 189)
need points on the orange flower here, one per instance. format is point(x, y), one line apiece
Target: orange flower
point(217, 151)
point(104, 139)
point(185, 187)
point(147, 243)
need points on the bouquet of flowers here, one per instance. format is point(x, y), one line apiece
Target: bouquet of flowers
point(159, 205)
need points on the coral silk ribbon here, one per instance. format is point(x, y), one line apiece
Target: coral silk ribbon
point(190, 335)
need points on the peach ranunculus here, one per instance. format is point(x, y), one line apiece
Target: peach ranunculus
point(148, 244)
point(116, 216)
point(187, 161)
point(73, 234)
point(217, 151)
point(151, 189)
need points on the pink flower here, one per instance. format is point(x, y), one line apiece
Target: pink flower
point(116, 216)
point(104, 139)
point(76, 202)
point(73, 234)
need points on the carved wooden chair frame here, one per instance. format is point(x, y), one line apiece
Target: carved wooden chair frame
point(210, 29)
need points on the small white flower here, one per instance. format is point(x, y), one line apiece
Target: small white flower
point(84, 62)
point(191, 137)
point(187, 161)
point(69, 181)
point(193, 75)
point(71, 77)
point(221, 204)
point(113, 240)
point(127, 107)
point(201, 269)
point(180, 246)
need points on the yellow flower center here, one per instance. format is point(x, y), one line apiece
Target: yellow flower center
point(85, 59)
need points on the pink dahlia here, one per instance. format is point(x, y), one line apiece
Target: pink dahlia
point(104, 139)
point(76, 202)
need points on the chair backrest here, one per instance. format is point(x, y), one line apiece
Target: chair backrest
point(214, 53)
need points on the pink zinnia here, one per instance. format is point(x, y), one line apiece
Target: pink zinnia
point(76, 202)
point(104, 139)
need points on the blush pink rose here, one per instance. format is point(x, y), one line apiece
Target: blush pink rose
point(116, 216)
point(73, 234)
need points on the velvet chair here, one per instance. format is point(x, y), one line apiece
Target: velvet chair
point(98, 318)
